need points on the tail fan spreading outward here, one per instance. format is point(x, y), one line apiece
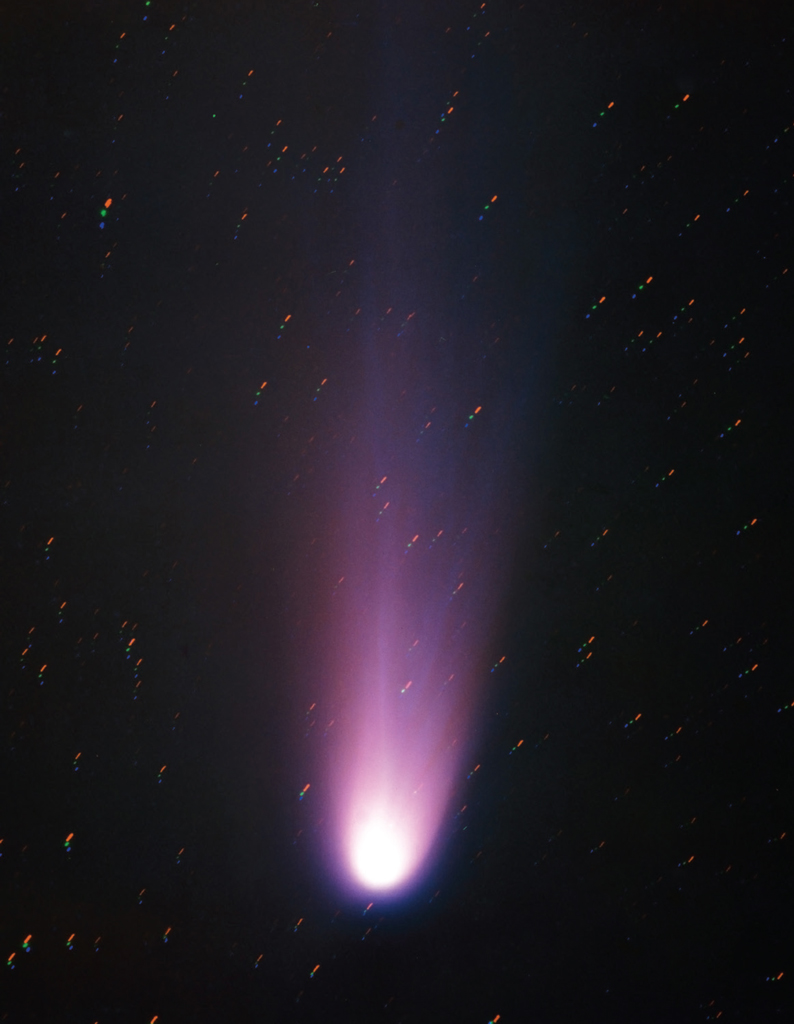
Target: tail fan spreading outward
point(422, 511)
point(423, 554)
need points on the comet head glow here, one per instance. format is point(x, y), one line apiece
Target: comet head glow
point(381, 850)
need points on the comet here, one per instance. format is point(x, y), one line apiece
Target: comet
point(429, 447)
point(421, 566)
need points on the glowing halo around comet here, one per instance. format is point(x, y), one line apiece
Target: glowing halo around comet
point(381, 854)
point(393, 790)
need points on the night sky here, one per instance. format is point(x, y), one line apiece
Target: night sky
point(531, 262)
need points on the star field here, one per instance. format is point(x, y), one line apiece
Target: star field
point(507, 284)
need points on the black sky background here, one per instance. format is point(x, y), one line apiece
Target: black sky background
point(630, 859)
